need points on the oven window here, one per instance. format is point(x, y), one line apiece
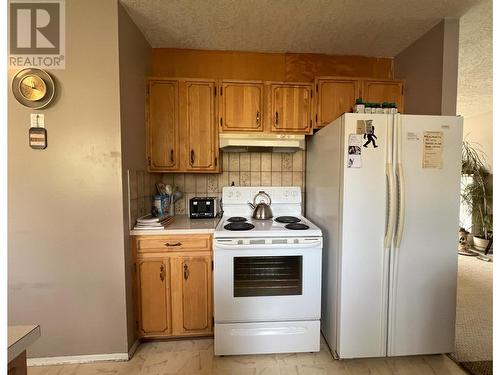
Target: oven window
point(267, 276)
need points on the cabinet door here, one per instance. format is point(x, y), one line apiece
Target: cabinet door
point(153, 280)
point(384, 91)
point(202, 142)
point(241, 106)
point(193, 294)
point(334, 98)
point(163, 125)
point(291, 108)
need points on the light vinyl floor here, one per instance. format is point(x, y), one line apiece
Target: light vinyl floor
point(197, 357)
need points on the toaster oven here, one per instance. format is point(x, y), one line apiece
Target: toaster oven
point(203, 207)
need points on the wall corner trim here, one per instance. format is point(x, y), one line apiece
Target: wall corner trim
point(133, 348)
point(67, 360)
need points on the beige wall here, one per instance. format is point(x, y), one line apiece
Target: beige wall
point(65, 215)
point(475, 79)
point(135, 64)
point(429, 68)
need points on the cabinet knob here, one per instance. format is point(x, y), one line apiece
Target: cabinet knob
point(162, 273)
point(186, 272)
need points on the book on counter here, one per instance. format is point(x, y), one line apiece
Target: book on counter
point(150, 222)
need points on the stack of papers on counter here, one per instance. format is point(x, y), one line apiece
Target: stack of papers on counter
point(150, 222)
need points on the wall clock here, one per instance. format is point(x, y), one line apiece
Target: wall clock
point(34, 88)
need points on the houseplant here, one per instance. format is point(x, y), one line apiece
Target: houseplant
point(478, 193)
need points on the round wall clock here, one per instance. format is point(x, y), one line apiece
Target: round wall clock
point(33, 88)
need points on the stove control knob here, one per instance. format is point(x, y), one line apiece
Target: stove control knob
point(240, 242)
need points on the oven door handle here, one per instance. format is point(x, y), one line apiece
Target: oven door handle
point(287, 246)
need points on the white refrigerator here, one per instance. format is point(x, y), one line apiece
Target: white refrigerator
point(385, 191)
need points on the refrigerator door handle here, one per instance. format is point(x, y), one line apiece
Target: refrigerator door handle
point(401, 205)
point(391, 221)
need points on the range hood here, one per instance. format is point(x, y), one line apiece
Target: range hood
point(246, 142)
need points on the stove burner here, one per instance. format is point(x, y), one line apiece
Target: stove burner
point(287, 219)
point(239, 226)
point(296, 226)
point(236, 219)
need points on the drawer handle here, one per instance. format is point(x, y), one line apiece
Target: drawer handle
point(192, 157)
point(171, 156)
point(173, 244)
point(276, 120)
point(257, 118)
point(162, 272)
point(186, 272)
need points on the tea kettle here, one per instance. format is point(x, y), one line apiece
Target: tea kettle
point(262, 210)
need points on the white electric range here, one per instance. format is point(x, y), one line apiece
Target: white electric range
point(267, 275)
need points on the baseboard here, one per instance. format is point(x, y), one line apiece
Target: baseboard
point(66, 360)
point(133, 348)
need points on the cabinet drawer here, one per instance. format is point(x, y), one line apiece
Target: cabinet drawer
point(175, 243)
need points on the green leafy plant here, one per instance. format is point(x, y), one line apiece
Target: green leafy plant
point(478, 194)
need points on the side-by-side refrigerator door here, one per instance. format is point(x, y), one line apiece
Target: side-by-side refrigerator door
point(423, 273)
point(362, 328)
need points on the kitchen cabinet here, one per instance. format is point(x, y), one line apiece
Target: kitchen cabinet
point(291, 108)
point(153, 276)
point(379, 91)
point(241, 106)
point(182, 134)
point(163, 125)
point(173, 285)
point(192, 296)
point(202, 135)
point(334, 96)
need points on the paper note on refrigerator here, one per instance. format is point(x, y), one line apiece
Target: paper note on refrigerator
point(354, 151)
point(432, 156)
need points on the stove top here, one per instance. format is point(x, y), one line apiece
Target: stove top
point(265, 228)
point(286, 205)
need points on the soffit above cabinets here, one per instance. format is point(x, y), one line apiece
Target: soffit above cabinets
point(380, 28)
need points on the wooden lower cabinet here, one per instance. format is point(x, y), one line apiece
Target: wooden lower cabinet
point(153, 277)
point(173, 288)
point(192, 294)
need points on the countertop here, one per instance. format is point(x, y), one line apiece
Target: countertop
point(20, 337)
point(182, 224)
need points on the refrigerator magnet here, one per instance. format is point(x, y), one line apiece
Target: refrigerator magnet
point(369, 134)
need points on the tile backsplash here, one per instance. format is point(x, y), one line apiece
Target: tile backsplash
point(238, 169)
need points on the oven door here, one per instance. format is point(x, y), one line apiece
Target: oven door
point(273, 279)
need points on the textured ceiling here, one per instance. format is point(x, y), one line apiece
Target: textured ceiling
point(366, 27)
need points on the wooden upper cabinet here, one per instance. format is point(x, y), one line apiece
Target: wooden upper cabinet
point(334, 97)
point(153, 276)
point(291, 108)
point(384, 91)
point(163, 125)
point(241, 106)
point(193, 285)
point(201, 130)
